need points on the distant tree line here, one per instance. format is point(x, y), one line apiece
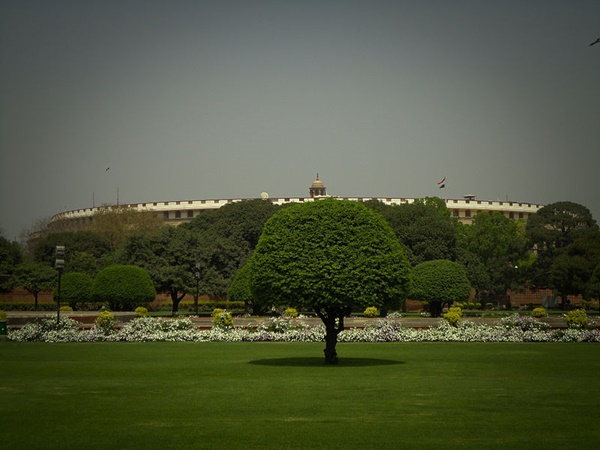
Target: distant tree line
point(557, 248)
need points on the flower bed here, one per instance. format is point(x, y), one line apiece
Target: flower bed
point(146, 329)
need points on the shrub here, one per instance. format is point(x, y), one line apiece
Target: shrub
point(222, 318)
point(3, 316)
point(539, 312)
point(438, 282)
point(577, 319)
point(66, 308)
point(123, 287)
point(489, 305)
point(453, 316)
point(105, 321)
point(291, 313)
point(140, 311)
point(371, 311)
point(75, 289)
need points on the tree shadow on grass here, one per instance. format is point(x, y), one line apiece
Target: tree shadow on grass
point(320, 362)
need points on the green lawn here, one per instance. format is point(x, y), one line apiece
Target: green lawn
point(281, 396)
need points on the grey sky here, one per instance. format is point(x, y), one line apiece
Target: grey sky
point(219, 99)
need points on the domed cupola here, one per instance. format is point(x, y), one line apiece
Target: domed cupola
point(317, 188)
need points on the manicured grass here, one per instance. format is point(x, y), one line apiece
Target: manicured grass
point(282, 396)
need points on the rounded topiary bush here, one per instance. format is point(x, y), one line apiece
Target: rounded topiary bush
point(75, 288)
point(222, 318)
point(439, 282)
point(123, 287)
point(140, 311)
point(371, 311)
point(105, 321)
point(539, 312)
point(291, 313)
point(577, 319)
point(66, 308)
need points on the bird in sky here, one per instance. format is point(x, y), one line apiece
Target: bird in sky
point(107, 169)
point(595, 42)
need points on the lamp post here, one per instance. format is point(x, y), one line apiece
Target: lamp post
point(59, 265)
point(197, 275)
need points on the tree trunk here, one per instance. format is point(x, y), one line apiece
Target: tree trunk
point(435, 308)
point(333, 319)
point(175, 299)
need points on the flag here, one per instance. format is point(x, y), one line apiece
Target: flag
point(442, 184)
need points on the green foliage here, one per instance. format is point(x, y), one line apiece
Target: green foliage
point(75, 288)
point(291, 313)
point(453, 316)
point(539, 312)
point(84, 250)
point(222, 318)
point(424, 228)
point(123, 287)
point(371, 311)
point(140, 311)
point(35, 277)
point(3, 316)
point(66, 308)
point(10, 258)
point(105, 321)
point(577, 319)
point(490, 249)
point(567, 241)
point(439, 282)
point(329, 254)
point(240, 286)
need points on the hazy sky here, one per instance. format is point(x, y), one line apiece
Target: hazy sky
point(227, 99)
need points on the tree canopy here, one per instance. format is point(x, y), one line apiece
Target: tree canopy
point(563, 235)
point(35, 277)
point(329, 256)
point(439, 282)
point(123, 287)
point(425, 228)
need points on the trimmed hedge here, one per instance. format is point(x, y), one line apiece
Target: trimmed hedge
point(47, 306)
point(123, 287)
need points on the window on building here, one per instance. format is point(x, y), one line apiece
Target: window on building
point(178, 214)
point(190, 214)
point(467, 213)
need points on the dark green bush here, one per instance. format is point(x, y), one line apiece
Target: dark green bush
point(46, 306)
point(123, 287)
point(439, 282)
point(75, 289)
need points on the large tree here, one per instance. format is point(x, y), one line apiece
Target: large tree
point(440, 282)
point(116, 223)
point(10, 258)
point(169, 258)
point(494, 250)
point(560, 233)
point(329, 256)
point(425, 228)
point(35, 277)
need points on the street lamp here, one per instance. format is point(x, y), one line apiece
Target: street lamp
point(59, 265)
point(197, 275)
